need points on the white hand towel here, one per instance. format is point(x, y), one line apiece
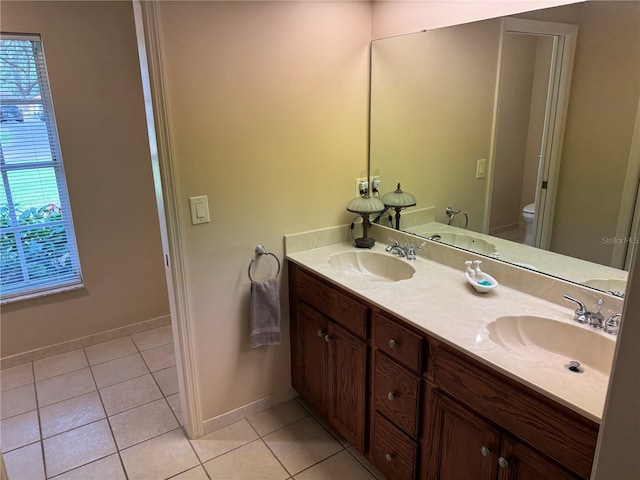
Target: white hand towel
point(265, 313)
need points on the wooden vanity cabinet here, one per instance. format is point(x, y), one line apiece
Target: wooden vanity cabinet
point(419, 408)
point(328, 361)
point(463, 445)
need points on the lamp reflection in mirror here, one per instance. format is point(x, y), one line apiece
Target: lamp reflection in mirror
point(365, 206)
point(398, 200)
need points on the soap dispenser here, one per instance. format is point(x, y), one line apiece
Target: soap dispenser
point(482, 282)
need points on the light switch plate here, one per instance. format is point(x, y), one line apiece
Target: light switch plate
point(481, 166)
point(199, 209)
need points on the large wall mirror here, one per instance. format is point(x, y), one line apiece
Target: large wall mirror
point(528, 127)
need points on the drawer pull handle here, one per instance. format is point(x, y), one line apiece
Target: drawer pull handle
point(391, 396)
point(392, 343)
point(320, 333)
point(503, 462)
point(389, 457)
point(327, 338)
point(485, 452)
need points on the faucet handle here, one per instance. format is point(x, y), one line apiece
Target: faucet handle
point(596, 320)
point(612, 325)
point(581, 311)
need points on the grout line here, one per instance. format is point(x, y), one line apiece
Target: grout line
point(276, 457)
point(35, 393)
point(113, 437)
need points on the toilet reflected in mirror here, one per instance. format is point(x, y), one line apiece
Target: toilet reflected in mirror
point(528, 215)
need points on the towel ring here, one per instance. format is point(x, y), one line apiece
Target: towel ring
point(260, 250)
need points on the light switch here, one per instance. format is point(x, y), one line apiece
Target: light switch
point(199, 209)
point(481, 166)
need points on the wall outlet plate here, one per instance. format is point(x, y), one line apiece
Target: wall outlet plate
point(359, 183)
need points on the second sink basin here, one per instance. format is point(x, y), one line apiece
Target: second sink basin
point(554, 341)
point(467, 242)
point(377, 266)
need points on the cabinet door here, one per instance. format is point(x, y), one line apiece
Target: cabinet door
point(462, 446)
point(519, 462)
point(312, 328)
point(346, 385)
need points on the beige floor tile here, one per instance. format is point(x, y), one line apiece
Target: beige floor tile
point(18, 431)
point(174, 403)
point(277, 417)
point(108, 468)
point(160, 457)
point(153, 338)
point(302, 444)
point(16, 401)
point(119, 370)
point(65, 386)
point(168, 380)
point(69, 414)
point(25, 463)
point(142, 423)
point(159, 357)
point(338, 467)
point(16, 376)
point(77, 447)
point(374, 471)
point(223, 440)
point(60, 364)
point(249, 462)
point(103, 352)
point(197, 473)
point(132, 393)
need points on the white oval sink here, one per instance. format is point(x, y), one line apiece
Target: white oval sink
point(554, 340)
point(467, 242)
point(372, 265)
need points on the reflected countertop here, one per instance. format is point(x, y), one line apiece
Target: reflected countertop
point(439, 301)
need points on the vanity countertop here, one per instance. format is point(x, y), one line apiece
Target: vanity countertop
point(439, 301)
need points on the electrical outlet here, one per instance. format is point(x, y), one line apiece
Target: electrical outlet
point(375, 184)
point(362, 186)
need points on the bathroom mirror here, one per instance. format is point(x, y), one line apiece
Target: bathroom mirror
point(454, 118)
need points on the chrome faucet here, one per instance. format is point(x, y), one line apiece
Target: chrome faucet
point(582, 315)
point(405, 251)
point(612, 325)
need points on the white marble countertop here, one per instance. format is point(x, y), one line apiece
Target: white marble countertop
point(439, 301)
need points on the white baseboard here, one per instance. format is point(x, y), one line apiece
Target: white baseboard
point(63, 347)
point(215, 423)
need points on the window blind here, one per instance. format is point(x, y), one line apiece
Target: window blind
point(38, 253)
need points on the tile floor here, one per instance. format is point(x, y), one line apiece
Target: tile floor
point(111, 411)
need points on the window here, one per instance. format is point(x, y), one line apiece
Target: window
point(38, 253)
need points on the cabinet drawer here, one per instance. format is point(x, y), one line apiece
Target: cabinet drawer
point(398, 342)
point(392, 452)
point(553, 429)
point(340, 307)
point(395, 394)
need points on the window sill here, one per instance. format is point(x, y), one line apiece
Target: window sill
point(43, 293)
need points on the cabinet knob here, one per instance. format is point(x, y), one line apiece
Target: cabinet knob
point(392, 343)
point(503, 462)
point(327, 338)
point(485, 451)
point(320, 333)
point(389, 457)
point(391, 396)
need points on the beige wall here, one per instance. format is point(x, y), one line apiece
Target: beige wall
point(92, 61)
point(514, 106)
point(432, 104)
point(602, 109)
point(268, 111)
